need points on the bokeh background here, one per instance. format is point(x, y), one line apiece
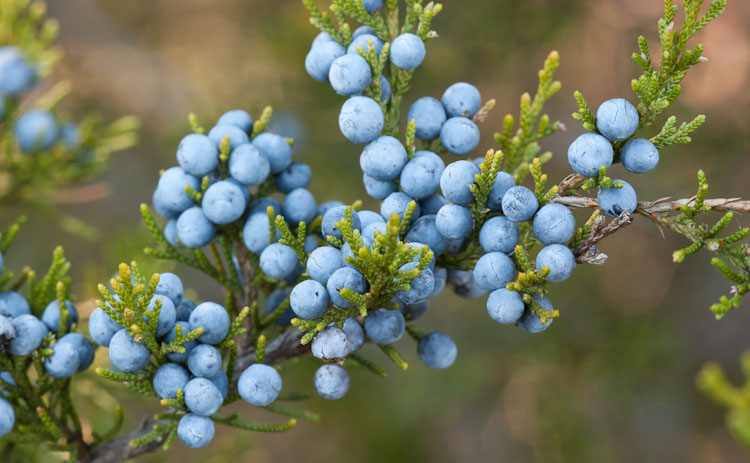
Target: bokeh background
point(612, 380)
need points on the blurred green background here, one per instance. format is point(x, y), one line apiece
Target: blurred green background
point(612, 380)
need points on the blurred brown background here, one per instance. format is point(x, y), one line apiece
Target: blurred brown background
point(612, 380)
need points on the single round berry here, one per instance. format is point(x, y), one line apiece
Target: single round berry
point(383, 158)
point(259, 384)
point(170, 195)
point(553, 224)
point(361, 119)
point(349, 74)
point(30, 332)
point(170, 285)
point(36, 130)
point(223, 202)
point(397, 203)
point(384, 326)
point(505, 306)
point(320, 57)
point(519, 204)
point(559, 259)
point(437, 350)
point(461, 99)
point(17, 75)
point(102, 327)
point(64, 361)
point(345, 277)
point(127, 355)
point(322, 262)
point(204, 361)
point(378, 189)
point(168, 379)
point(309, 299)
point(456, 180)
point(195, 431)
point(239, 118)
point(276, 149)
point(413, 311)
point(83, 348)
point(194, 229)
point(51, 315)
point(331, 343)
point(248, 165)
point(197, 154)
point(617, 119)
point(493, 271)
point(299, 206)
point(588, 153)
point(454, 222)
point(639, 156)
point(278, 261)
point(459, 135)
point(499, 234)
point(214, 320)
point(420, 177)
point(13, 304)
point(615, 201)
point(407, 51)
point(202, 397)
point(331, 381)
point(503, 182)
point(7, 418)
point(297, 175)
point(429, 116)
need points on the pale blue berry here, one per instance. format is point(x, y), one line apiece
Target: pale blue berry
point(461, 99)
point(615, 201)
point(617, 119)
point(553, 224)
point(259, 384)
point(459, 135)
point(437, 350)
point(559, 259)
point(429, 116)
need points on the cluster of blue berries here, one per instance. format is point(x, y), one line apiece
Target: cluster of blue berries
point(35, 130)
point(24, 335)
point(198, 371)
point(616, 121)
point(330, 271)
point(207, 190)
